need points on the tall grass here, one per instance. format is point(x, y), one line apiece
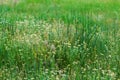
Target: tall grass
point(60, 40)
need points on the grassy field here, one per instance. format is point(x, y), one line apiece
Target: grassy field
point(59, 40)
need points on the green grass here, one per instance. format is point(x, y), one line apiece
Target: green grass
point(60, 40)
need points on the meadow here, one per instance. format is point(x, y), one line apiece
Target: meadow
point(59, 40)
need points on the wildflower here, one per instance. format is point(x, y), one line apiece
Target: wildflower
point(110, 73)
point(52, 47)
point(45, 42)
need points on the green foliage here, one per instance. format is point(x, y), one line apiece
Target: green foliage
point(60, 39)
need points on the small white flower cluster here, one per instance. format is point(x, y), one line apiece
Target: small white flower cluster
point(49, 46)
